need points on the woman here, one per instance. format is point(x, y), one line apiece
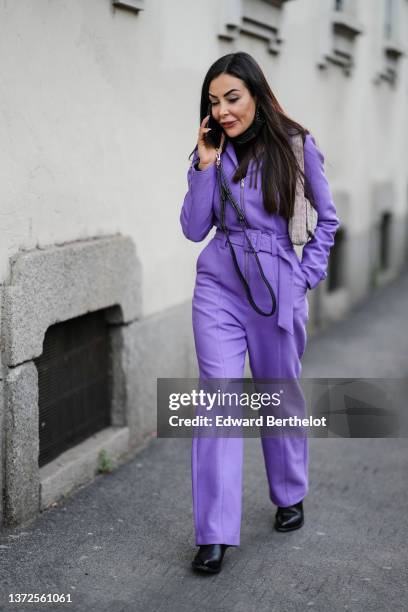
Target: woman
point(253, 135)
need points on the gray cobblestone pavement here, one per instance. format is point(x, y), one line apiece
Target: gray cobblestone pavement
point(126, 541)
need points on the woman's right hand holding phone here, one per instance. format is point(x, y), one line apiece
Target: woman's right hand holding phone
point(206, 151)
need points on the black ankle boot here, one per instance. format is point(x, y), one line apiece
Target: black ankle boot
point(209, 558)
point(289, 517)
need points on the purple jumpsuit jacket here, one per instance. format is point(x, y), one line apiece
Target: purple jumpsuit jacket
point(226, 327)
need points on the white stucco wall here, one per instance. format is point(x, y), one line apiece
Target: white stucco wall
point(99, 112)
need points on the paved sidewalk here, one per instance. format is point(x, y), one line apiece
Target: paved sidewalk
point(126, 541)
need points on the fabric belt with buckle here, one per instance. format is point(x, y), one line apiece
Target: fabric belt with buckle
point(277, 245)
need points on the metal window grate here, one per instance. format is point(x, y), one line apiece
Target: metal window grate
point(74, 383)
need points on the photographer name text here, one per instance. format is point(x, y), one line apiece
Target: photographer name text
point(260, 421)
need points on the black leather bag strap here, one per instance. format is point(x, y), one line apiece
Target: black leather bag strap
point(225, 194)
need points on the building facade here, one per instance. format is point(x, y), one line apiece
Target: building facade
point(99, 113)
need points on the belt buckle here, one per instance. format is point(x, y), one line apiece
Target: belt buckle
point(254, 236)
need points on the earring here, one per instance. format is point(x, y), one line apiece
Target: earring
point(258, 116)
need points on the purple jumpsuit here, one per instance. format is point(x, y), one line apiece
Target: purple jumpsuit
point(226, 326)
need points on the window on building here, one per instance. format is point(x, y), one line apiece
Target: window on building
point(73, 383)
point(131, 5)
point(392, 47)
point(336, 264)
point(339, 48)
point(389, 19)
point(385, 240)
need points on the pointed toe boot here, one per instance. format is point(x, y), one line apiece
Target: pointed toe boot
point(209, 558)
point(290, 517)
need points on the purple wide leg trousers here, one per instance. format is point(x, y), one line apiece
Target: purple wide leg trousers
point(226, 327)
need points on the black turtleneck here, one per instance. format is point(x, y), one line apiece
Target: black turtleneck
point(240, 150)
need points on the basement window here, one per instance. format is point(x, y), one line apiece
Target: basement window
point(74, 383)
point(336, 262)
point(385, 240)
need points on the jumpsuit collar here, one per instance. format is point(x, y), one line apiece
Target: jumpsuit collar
point(230, 151)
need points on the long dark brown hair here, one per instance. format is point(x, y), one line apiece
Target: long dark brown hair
point(272, 145)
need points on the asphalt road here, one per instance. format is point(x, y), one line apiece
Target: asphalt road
point(126, 541)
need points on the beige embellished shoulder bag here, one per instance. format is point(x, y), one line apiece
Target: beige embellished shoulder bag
point(302, 224)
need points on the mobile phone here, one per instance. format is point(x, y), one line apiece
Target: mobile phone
point(214, 136)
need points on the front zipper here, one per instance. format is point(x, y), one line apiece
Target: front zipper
point(242, 202)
